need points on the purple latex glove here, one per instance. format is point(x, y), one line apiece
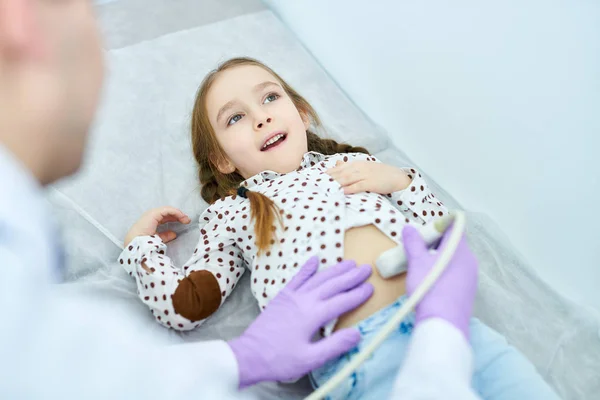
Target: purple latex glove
point(451, 297)
point(278, 345)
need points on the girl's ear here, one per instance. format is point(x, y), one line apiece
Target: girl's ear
point(305, 119)
point(226, 167)
point(223, 165)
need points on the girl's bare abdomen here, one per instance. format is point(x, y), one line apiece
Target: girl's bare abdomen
point(364, 245)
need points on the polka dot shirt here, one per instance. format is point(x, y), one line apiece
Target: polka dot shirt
point(315, 214)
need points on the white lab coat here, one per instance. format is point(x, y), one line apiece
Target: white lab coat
point(438, 364)
point(71, 348)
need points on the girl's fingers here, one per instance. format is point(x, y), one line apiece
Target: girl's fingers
point(167, 236)
point(348, 177)
point(171, 211)
point(355, 187)
point(171, 214)
point(164, 220)
point(338, 169)
point(172, 218)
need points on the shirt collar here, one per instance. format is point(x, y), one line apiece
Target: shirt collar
point(308, 160)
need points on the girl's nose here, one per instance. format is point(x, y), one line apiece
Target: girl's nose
point(261, 123)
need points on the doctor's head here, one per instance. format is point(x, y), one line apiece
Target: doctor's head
point(51, 72)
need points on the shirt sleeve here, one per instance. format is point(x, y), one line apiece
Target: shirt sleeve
point(417, 202)
point(438, 364)
point(182, 298)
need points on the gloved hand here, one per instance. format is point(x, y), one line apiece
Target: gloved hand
point(277, 346)
point(451, 297)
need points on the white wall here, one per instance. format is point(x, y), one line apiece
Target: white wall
point(499, 102)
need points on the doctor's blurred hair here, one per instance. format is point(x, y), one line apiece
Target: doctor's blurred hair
point(208, 153)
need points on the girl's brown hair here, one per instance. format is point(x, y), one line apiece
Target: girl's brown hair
point(208, 153)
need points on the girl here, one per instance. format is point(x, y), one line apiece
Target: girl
point(278, 194)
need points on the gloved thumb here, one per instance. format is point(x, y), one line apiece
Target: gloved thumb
point(334, 346)
point(414, 245)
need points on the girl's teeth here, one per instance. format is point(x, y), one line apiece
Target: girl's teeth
point(273, 140)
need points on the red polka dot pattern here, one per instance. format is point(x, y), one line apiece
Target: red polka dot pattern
point(315, 212)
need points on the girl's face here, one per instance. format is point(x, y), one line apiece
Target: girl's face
point(255, 122)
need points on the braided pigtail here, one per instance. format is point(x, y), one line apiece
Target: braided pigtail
point(263, 212)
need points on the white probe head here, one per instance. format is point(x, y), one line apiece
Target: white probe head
point(393, 262)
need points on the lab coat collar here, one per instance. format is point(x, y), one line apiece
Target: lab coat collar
point(18, 185)
point(24, 210)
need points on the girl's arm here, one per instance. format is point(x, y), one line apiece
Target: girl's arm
point(182, 298)
point(417, 202)
point(405, 187)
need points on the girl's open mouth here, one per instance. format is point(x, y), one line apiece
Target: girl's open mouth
point(274, 141)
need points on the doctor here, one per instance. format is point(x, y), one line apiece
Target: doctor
point(50, 77)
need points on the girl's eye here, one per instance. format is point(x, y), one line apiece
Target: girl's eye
point(271, 97)
point(234, 119)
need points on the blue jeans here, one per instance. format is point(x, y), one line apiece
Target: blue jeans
point(501, 372)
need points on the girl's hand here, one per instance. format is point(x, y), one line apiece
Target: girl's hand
point(368, 176)
point(152, 219)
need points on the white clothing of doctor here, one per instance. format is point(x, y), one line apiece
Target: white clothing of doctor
point(51, 72)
